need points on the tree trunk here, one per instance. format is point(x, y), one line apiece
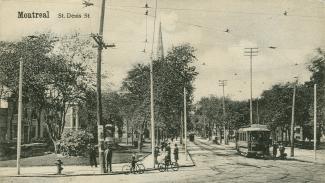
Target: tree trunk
point(132, 140)
point(289, 137)
point(220, 135)
point(127, 132)
point(181, 134)
point(158, 135)
point(139, 142)
point(39, 123)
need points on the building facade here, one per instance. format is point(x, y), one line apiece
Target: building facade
point(31, 128)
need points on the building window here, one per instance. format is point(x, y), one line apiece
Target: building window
point(297, 130)
point(33, 132)
point(3, 133)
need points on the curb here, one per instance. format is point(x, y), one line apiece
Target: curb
point(305, 161)
point(96, 174)
point(190, 155)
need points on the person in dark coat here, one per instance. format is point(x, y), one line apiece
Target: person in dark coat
point(92, 155)
point(156, 154)
point(275, 149)
point(168, 149)
point(108, 154)
point(176, 153)
point(133, 162)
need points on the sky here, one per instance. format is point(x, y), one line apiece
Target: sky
point(202, 23)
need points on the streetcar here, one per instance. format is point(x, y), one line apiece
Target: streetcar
point(253, 141)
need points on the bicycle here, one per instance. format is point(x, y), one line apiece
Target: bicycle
point(173, 165)
point(139, 168)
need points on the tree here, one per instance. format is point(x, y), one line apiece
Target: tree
point(171, 75)
point(317, 68)
point(52, 80)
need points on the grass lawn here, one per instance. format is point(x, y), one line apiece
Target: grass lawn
point(50, 159)
point(119, 156)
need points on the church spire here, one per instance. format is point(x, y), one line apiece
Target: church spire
point(160, 46)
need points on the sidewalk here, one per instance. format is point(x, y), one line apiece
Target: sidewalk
point(307, 155)
point(48, 171)
point(183, 161)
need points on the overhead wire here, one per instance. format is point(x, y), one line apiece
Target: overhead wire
point(154, 30)
point(183, 9)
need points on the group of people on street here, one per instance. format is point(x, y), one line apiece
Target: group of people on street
point(281, 148)
point(108, 155)
point(165, 147)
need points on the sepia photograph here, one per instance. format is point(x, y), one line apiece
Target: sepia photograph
point(142, 91)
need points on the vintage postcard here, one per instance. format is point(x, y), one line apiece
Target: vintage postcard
point(162, 91)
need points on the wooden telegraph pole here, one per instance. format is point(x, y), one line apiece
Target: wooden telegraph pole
point(223, 83)
point(99, 40)
point(315, 120)
point(293, 119)
point(185, 123)
point(20, 108)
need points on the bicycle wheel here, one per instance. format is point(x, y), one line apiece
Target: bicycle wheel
point(161, 167)
point(141, 168)
point(126, 169)
point(175, 166)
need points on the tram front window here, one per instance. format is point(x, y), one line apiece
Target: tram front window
point(257, 141)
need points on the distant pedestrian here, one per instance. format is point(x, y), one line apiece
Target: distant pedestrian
point(156, 154)
point(133, 162)
point(176, 153)
point(275, 149)
point(283, 155)
point(168, 149)
point(108, 154)
point(92, 155)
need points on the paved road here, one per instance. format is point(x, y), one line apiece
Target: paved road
point(213, 164)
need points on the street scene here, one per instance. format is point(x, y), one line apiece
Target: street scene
point(162, 91)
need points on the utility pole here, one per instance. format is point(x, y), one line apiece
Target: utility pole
point(223, 83)
point(152, 119)
point(20, 108)
point(258, 116)
point(251, 52)
point(293, 119)
point(99, 40)
point(315, 120)
point(185, 123)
